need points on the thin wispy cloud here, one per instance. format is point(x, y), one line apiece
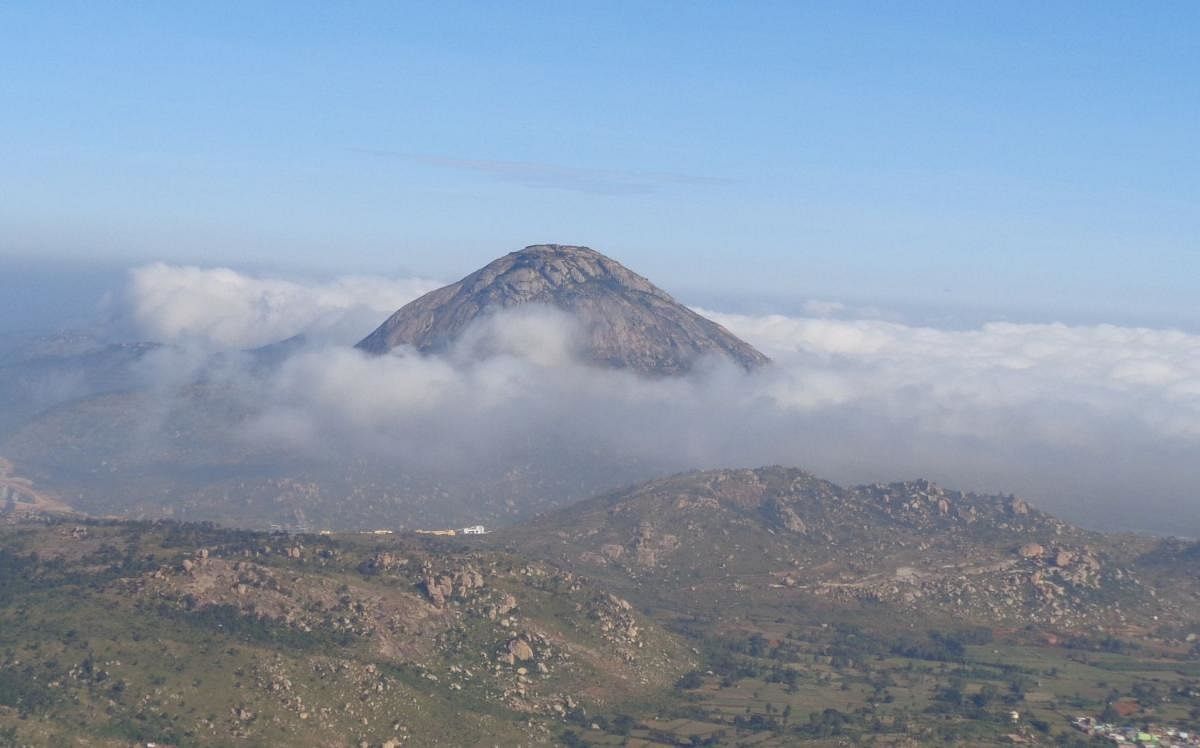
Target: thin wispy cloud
point(558, 176)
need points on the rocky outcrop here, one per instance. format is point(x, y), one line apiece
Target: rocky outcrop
point(504, 605)
point(784, 516)
point(461, 584)
point(1031, 550)
point(520, 650)
point(437, 589)
point(382, 562)
point(625, 321)
point(618, 626)
point(650, 545)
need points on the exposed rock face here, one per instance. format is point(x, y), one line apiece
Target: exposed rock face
point(1031, 550)
point(626, 321)
point(382, 562)
point(616, 621)
point(786, 516)
point(650, 544)
point(506, 604)
point(438, 588)
point(520, 650)
point(441, 587)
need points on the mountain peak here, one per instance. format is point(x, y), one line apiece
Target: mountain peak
point(559, 252)
point(626, 321)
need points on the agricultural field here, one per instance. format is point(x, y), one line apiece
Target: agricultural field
point(839, 683)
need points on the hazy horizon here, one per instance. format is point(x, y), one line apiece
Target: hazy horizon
point(41, 295)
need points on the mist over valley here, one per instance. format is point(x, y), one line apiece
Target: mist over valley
point(205, 381)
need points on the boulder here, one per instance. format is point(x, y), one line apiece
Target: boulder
point(466, 581)
point(790, 520)
point(520, 650)
point(437, 589)
point(1031, 550)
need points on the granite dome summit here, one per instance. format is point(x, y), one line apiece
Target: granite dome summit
point(625, 321)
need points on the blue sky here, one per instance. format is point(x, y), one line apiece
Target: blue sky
point(1028, 159)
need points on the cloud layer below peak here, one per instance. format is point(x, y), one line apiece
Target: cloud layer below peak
point(1101, 423)
point(222, 308)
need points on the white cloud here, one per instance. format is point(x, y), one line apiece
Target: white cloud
point(949, 378)
point(1101, 422)
point(222, 308)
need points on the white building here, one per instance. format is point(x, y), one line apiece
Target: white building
point(474, 530)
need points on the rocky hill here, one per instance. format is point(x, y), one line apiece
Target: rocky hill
point(119, 632)
point(47, 371)
point(627, 322)
point(730, 607)
point(779, 535)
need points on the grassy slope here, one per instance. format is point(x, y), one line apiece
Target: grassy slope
point(104, 636)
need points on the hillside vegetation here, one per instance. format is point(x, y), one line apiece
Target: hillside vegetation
point(190, 634)
point(763, 607)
